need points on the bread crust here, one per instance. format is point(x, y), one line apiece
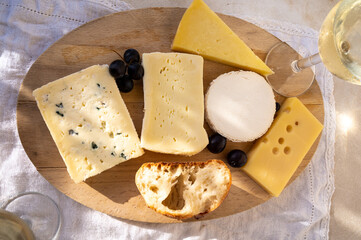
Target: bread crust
point(186, 164)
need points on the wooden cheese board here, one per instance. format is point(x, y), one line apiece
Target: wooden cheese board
point(148, 30)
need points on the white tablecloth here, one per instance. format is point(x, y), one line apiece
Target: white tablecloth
point(27, 28)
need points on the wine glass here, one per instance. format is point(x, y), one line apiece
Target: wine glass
point(339, 49)
point(30, 216)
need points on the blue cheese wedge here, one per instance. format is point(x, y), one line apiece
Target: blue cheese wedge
point(173, 103)
point(88, 121)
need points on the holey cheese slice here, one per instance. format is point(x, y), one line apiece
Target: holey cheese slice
point(173, 103)
point(275, 157)
point(202, 32)
point(88, 121)
point(240, 106)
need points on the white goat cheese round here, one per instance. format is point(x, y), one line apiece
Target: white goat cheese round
point(240, 105)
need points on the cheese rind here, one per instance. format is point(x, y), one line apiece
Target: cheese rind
point(173, 103)
point(240, 106)
point(202, 32)
point(275, 157)
point(88, 121)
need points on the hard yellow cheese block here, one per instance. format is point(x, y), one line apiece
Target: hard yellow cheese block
point(202, 32)
point(276, 156)
point(173, 103)
point(88, 121)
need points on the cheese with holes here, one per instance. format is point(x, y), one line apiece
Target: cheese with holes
point(275, 157)
point(173, 103)
point(202, 32)
point(88, 121)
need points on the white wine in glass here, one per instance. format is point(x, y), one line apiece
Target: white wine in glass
point(347, 36)
point(12, 227)
point(339, 49)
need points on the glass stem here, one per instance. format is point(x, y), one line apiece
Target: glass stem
point(299, 65)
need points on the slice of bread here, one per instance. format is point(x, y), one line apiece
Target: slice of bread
point(183, 190)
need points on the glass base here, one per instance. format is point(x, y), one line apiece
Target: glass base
point(285, 80)
point(38, 211)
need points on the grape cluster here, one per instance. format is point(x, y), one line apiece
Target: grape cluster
point(126, 70)
point(235, 158)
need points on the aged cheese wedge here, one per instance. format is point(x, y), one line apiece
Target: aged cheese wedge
point(275, 157)
point(240, 106)
point(88, 121)
point(202, 32)
point(173, 103)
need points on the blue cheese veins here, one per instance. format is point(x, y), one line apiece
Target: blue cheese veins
point(88, 121)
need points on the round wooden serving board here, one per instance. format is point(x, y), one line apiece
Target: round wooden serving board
point(148, 30)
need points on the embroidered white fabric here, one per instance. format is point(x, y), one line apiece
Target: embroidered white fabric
point(301, 212)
